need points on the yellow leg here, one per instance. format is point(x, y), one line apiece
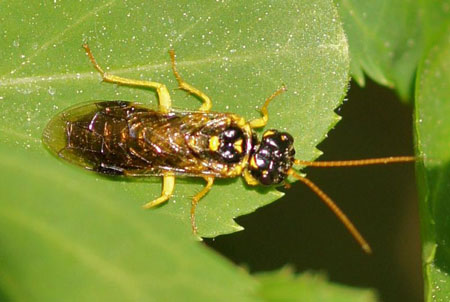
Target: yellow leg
point(167, 190)
point(196, 199)
point(262, 121)
point(165, 102)
point(207, 104)
point(249, 179)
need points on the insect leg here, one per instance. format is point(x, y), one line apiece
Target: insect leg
point(167, 190)
point(262, 121)
point(249, 179)
point(206, 106)
point(165, 102)
point(196, 199)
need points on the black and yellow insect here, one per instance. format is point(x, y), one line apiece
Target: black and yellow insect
point(131, 139)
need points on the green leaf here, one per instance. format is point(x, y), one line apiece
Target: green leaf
point(58, 218)
point(286, 286)
point(387, 40)
point(68, 237)
point(238, 54)
point(433, 143)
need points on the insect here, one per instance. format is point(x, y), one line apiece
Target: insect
point(131, 139)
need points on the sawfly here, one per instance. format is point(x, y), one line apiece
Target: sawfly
point(131, 139)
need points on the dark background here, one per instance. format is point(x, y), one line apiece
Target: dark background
point(381, 201)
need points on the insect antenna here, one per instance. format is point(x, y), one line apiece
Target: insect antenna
point(354, 163)
point(329, 202)
point(335, 209)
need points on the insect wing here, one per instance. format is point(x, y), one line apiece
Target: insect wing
point(116, 137)
point(74, 135)
point(55, 133)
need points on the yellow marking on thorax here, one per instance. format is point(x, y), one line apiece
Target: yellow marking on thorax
point(214, 143)
point(238, 145)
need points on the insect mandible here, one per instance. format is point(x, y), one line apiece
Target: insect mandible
point(126, 138)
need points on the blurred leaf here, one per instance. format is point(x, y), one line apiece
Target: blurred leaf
point(57, 218)
point(288, 287)
point(387, 39)
point(433, 143)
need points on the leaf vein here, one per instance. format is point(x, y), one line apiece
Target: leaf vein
point(57, 37)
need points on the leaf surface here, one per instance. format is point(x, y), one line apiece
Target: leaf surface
point(58, 218)
point(286, 286)
point(388, 39)
point(433, 143)
point(238, 53)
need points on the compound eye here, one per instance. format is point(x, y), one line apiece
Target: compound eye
point(266, 179)
point(279, 141)
point(261, 160)
point(272, 141)
point(287, 138)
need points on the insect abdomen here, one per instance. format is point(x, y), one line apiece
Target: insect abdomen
point(94, 136)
